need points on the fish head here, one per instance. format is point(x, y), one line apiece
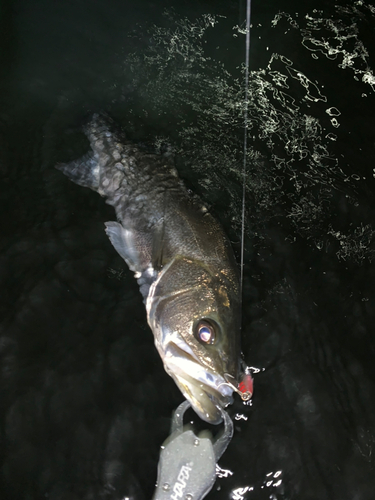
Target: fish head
point(194, 312)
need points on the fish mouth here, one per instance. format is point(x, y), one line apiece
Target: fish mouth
point(201, 386)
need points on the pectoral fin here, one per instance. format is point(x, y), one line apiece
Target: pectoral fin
point(135, 248)
point(124, 241)
point(157, 245)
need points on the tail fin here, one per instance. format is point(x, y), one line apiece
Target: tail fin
point(84, 171)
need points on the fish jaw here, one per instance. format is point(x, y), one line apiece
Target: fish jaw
point(203, 388)
point(173, 308)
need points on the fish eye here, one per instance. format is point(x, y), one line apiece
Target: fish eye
point(205, 332)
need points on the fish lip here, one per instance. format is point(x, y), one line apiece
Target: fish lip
point(205, 389)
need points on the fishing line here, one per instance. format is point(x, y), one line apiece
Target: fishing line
point(246, 105)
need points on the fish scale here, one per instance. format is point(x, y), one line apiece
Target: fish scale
point(181, 257)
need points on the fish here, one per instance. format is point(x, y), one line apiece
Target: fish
point(181, 257)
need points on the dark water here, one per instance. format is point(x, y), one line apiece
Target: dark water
point(85, 402)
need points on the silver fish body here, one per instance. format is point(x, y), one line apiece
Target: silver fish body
point(181, 257)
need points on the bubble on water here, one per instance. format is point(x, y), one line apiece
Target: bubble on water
point(355, 245)
point(292, 170)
